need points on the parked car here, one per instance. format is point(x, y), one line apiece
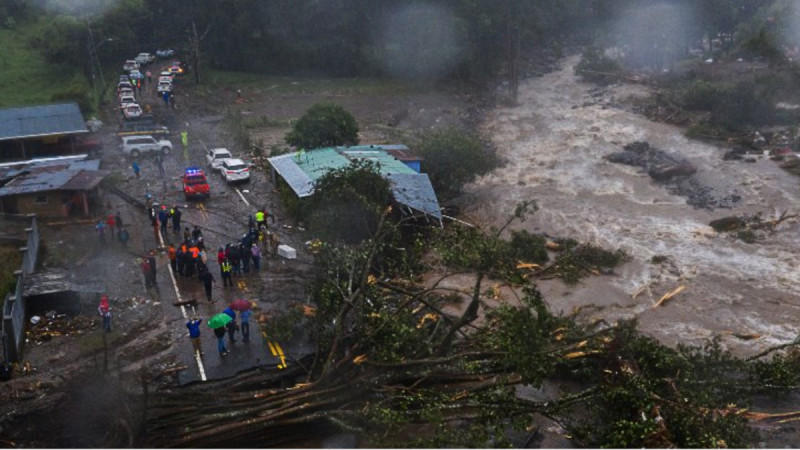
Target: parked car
point(234, 169)
point(124, 85)
point(129, 65)
point(124, 92)
point(164, 87)
point(177, 70)
point(131, 110)
point(195, 184)
point(134, 146)
point(165, 79)
point(166, 73)
point(125, 100)
point(124, 78)
point(215, 156)
point(166, 53)
point(145, 58)
point(144, 128)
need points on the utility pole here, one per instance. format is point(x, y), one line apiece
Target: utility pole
point(94, 60)
point(195, 49)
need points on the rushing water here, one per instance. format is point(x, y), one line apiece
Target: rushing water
point(554, 142)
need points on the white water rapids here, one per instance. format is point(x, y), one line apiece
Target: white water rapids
point(554, 143)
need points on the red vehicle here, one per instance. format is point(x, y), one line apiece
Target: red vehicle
point(195, 184)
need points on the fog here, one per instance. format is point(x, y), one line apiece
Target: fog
point(656, 35)
point(419, 42)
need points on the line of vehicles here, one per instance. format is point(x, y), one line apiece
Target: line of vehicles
point(140, 133)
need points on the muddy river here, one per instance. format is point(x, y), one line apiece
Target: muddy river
point(554, 142)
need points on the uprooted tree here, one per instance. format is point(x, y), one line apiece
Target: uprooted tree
point(396, 355)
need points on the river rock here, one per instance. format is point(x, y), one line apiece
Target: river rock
point(664, 172)
point(730, 223)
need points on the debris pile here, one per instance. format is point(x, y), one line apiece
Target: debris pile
point(43, 329)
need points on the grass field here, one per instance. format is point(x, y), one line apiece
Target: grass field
point(26, 78)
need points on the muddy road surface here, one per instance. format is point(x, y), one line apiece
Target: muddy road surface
point(554, 143)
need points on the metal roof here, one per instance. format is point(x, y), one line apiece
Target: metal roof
point(295, 177)
point(45, 120)
point(55, 175)
point(415, 191)
point(302, 169)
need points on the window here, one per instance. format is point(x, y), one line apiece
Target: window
point(41, 199)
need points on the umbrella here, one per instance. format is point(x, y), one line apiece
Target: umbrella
point(241, 305)
point(218, 321)
point(229, 312)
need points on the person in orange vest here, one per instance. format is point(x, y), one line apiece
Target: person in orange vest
point(173, 258)
point(193, 262)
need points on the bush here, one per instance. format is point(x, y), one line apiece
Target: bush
point(742, 106)
point(597, 67)
point(78, 94)
point(324, 125)
point(528, 247)
point(703, 96)
point(453, 158)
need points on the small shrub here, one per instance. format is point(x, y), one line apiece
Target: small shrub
point(529, 247)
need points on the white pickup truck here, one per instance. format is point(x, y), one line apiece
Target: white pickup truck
point(145, 58)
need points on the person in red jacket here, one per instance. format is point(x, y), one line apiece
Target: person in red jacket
point(105, 312)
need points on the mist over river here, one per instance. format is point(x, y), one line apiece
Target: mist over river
point(554, 142)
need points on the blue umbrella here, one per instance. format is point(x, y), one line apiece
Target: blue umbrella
point(230, 312)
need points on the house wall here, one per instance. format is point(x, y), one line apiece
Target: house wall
point(53, 205)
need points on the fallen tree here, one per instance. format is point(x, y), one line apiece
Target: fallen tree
point(390, 359)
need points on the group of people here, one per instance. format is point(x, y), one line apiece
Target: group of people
point(114, 226)
point(230, 329)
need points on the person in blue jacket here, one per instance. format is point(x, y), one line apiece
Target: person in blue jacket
point(194, 334)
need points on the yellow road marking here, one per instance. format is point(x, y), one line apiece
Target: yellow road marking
point(276, 350)
point(282, 365)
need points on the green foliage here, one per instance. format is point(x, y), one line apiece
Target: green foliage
point(348, 202)
point(76, 93)
point(324, 125)
point(704, 95)
point(741, 107)
point(576, 260)
point(597, 67)
point(528, 247)
point(453, 158)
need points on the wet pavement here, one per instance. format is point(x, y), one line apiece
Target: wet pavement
point(222, 219)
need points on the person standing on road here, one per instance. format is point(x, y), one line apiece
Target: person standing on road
point(145, 265)
point(163, 216)
point(118, 221)
point(220, 334)
point(226, 269)
point(172, 100)
point(176, 220)
point(231, 328)
point(261, 219)
point(165, 96)
point(153, 274)
point(149, 77)
point(173, 258)
point(110, 222)
point(207, 280)
point(194, 334)
point(105, 312)
point(244, 318)
point(245, 253)
point(185, 139)
point(255, 252)
point(137, 170)
point(100, 227)
point(123, 237)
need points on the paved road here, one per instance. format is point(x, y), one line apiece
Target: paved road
point(223, 219)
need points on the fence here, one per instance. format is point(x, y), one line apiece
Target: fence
point(14, 306)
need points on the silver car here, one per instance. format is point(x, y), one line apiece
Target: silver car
point(215, 156)
point(234, 169)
